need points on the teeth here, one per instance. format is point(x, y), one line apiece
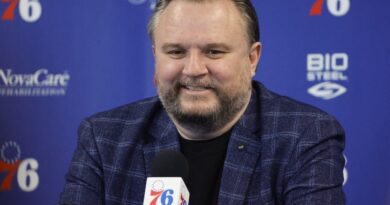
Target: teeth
point(195, 88)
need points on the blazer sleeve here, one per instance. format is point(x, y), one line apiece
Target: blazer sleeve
point(315, 172)
point(84, 180)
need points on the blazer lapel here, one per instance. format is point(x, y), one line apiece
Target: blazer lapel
point(242, 155)
point(162, 135)
point(240, 162)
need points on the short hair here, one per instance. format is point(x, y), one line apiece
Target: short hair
point(245, 7)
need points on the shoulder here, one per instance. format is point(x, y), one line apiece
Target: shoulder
point(123, 122)
point(273, 104)
point(129, 112)
point(304, 140)
point(282, 114)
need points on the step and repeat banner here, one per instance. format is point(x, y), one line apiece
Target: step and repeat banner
point(61, 61)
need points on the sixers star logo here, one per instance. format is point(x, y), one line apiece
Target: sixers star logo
point(158, 192)
point(10, 155)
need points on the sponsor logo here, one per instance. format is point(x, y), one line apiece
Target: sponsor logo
point(39, 83)
point(345, 171)
point(336, 8)
point(182, 200)
point(29, 10)
point(152, 3)
point(158, 192)
point(327, 90)
point(327, 69)
point(12, 164)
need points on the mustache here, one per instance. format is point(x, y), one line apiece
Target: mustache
point(195, 82)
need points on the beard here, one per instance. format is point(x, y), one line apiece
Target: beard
point(229, 102)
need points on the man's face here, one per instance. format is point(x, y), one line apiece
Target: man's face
point(204, 63)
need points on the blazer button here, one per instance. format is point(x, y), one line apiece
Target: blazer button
point(241, 147)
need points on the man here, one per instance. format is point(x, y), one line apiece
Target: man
point(244, 143)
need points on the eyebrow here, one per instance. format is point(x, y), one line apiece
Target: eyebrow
point(217, 45)
point(168, 46)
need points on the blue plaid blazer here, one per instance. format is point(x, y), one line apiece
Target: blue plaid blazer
point(280, 152)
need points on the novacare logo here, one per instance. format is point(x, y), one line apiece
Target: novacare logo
point(41, 77)
point(38, 83)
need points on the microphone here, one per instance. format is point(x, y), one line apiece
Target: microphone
point(167, 186)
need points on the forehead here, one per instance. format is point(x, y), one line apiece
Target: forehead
point(217, 20)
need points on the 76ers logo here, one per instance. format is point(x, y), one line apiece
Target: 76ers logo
point(158, 192)
point(162, 196)
point(29, 10)
point(11, 164)
point(335, 7)
point(182, 200)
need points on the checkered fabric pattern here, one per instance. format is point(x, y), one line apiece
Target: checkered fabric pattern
point(280, 152)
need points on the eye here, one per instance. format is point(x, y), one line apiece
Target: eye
point(215, 53)
point(176, 53)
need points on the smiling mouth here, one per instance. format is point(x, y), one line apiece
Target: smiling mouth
point(196, 88)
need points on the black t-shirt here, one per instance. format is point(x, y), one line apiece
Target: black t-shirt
point(205, 159)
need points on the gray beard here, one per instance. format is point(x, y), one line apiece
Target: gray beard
point(212, 120)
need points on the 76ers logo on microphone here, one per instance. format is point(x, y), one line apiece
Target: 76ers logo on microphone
point(182, 200)
point(158, 192)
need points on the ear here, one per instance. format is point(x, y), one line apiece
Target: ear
point(154, 50)
point(154, 81)
point(154, 76)
point(254, 56)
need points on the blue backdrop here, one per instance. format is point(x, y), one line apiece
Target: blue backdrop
point(61, 61)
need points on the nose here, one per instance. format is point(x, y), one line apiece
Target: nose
point(194, 65)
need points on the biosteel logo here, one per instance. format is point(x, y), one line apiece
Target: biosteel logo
point(327, 69)
point(38, 83)
point(336, 8)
